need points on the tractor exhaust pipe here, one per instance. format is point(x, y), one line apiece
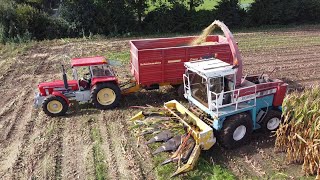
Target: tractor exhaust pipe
point(64, 76)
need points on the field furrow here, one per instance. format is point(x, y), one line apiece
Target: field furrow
point(76, 147)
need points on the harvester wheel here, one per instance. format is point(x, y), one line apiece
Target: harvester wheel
point(105, 96)
point(236, 131)
point(271, 121)
point(55, 106)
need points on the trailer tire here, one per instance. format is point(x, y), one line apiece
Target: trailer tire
point(55, 106)
point(236, 131)
point(105, 96)
point(271, 121)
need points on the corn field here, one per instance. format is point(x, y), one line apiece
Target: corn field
point(299, 134)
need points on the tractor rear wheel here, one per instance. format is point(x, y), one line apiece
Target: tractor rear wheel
point(55, 106)
point(236, 131)
point(105, 96)
point(271, 121)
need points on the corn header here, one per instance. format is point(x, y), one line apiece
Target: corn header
point(186, 145)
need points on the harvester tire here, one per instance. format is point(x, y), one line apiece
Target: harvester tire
point(271, 121)
point(236, 131)
point(55, 106)
point(105, 96)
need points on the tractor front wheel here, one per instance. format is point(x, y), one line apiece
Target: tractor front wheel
point(236, 131)
point(105, 96)
point(55, 106)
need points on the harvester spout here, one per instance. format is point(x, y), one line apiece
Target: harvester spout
point(236, 57)
point(237, 60)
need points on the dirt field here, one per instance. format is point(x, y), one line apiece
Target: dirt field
point(88, 143)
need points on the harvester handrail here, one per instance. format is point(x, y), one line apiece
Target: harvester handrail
point(216, 106)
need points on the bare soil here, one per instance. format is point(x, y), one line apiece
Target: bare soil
point(33, 145)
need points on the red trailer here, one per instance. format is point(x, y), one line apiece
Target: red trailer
point(158, 62)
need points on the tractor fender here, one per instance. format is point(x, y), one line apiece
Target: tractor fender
point(55, 93)
point(97, 80)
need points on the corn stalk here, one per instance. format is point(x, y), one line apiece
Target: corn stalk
point(299, 134)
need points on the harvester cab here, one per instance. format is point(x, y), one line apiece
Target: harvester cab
point(209, 79)
point(98, 85)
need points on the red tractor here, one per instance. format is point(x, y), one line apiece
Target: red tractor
point(99, 85)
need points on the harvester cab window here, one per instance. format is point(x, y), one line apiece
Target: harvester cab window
point(222, 86)
point(198, 86)
point(229, 82)
point(216, 84)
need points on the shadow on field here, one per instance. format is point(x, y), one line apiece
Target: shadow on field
point(154, 98)
point(241, 160)
point(258, 141)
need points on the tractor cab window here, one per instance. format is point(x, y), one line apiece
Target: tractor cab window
point(74, 74)
point(101, 70)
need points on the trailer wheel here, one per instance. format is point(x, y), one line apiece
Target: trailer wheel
point(236, 131)
point(105, 96)
point(55, 106)
point(271, 121)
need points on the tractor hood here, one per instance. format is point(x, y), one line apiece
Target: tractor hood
point(47, 88)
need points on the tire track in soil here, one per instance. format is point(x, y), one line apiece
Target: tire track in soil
point(76, 143)
point(8, 106)
point(11, 147)
point(41, 155)
point(109, 148)
point(13, 130)
point(126, 156)
point(23, 164)
point(9, 127)
point(59, 149)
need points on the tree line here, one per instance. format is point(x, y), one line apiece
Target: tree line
point(22, 20)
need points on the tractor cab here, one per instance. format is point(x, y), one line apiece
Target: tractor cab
point(89, 69)
point(97, 84)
